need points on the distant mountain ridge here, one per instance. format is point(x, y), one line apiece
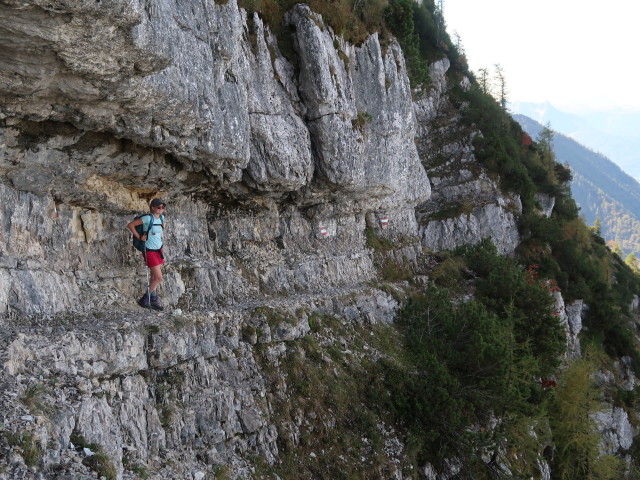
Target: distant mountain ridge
point(600, 187)
point(614, 133)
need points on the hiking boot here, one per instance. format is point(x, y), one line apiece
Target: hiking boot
point(155, 303)
point(144, 301)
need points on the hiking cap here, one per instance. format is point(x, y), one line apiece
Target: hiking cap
point(156, 202)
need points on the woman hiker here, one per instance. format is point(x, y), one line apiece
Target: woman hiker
point(152, 253)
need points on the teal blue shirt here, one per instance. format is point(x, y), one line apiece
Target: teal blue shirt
point(154, 238)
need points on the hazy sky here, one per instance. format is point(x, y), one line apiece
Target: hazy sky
point(576, 54)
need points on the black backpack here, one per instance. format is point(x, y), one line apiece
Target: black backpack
point(139, 244)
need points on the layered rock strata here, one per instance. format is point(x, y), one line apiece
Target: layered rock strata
point(277, 175)
point(272, 172)
point(467, 205)
point(177, 394)
point(269, 174)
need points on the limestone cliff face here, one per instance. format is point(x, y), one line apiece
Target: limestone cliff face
point(467, 205)
point(274, 174)
point(193, 105)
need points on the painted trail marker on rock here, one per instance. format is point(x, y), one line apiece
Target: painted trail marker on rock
point(54, 211)
point(384, 221)
point(323, 231)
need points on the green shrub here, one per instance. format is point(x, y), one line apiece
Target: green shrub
point(28, 446)
point(353, 20)
point(470, 361)
point(99, 462)
point(129, 463)
point(34, 399)
point(418, 27)
point(376, 243)
point(392, 270)
point(449, 273)
point(522, 295)
point(361, 120)
point(399, 18)
point(274, 317)
point(577, 456)
point(339, 437)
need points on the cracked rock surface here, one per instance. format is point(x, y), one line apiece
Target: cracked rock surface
point(272, 173)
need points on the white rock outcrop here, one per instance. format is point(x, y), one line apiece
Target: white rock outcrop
point(615, 430)
point(466, 205)
point(547, 202)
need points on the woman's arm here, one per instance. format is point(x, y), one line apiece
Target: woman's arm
point(131, 226)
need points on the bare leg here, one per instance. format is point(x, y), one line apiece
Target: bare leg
point(156, 277)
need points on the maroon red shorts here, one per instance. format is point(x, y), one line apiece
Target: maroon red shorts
point(153, 258)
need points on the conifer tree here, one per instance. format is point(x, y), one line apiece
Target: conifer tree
point(484, 81)
point(632, 262)
point(597, 226)
point(440, 23)
point(501, 85)
point(545, 142)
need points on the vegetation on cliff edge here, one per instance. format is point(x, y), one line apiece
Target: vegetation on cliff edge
point(418, 26)
point(468, 376)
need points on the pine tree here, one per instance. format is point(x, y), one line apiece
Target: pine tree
point(484, 81)
point(501, 85)
point(545, 142)
point(597, 226)
point(632, 262)
point(440, 23)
